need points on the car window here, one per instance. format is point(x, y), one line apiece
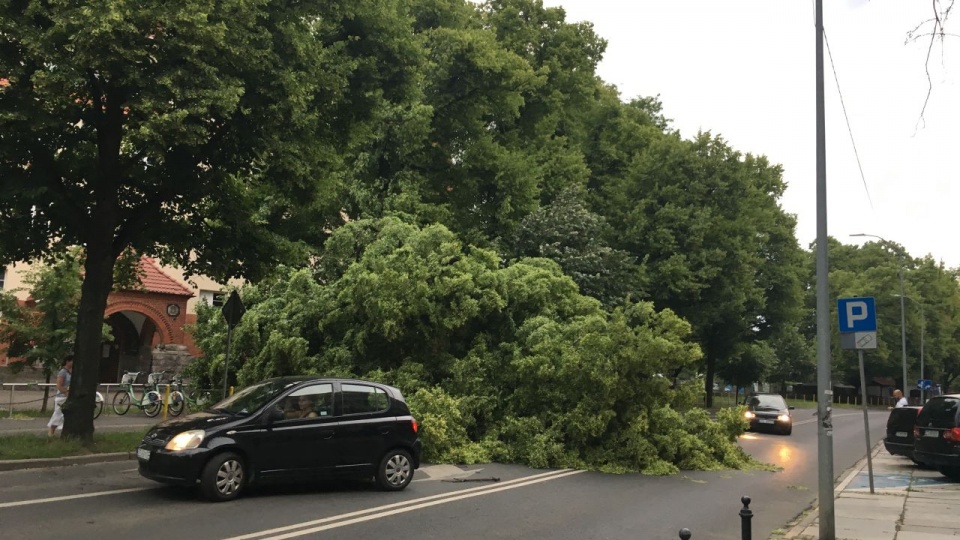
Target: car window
point(312, 401)
point(361, 398)
point(251, 398)
point(768, 402)
point(939, 413)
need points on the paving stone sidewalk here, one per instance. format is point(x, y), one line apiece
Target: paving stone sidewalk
point(908, 503)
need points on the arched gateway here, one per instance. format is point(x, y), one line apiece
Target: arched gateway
point(147, 326)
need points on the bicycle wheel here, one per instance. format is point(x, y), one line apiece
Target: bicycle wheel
point(121, 402)
point(177, 403)
point(98, 406)
point(152, 403)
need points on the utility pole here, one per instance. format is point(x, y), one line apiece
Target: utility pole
point(824, 386)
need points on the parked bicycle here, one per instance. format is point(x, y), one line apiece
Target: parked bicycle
point(149, 401)
point(195, 399)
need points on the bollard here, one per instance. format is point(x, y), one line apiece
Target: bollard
point(166, 401)
point(745, 516)
point(231, 391)
point(684, 534)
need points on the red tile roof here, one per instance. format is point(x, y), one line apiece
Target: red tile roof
point(155, 280)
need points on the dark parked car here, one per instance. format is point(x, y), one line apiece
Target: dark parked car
point(900, 424)
point(937, 435)
point(769, 412)
point(287, 428)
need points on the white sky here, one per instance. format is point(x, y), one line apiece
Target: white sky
point(744, 69)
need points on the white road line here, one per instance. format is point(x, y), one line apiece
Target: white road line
point(71, 497)
point(401, 507)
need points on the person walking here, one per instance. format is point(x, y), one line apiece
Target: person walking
point(63, 388)
point(901, 401)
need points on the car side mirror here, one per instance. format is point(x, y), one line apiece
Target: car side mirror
point(791, 407)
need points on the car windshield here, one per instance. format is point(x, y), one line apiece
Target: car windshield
point(768, 402)
point(252, 398)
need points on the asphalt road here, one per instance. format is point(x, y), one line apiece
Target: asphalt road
point(112, 501)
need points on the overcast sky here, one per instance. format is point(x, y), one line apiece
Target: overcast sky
point(744, 69)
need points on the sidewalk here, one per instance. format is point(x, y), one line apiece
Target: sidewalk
point(909, 503)
point(131, 421)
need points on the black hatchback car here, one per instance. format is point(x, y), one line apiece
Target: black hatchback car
point(900, 424)
point(287, 428)
point(769, 412)
point(937, 435)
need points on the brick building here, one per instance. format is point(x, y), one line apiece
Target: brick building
point(148, 323)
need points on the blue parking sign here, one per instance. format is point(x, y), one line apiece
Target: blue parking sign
point(857, 314)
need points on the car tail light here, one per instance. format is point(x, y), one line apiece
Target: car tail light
point(952, 435)
point(415, 425)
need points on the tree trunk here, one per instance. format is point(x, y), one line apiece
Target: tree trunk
point(708, 381)
point(97, 283)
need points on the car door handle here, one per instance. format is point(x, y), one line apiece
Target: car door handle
point(327, 433)
point(385, 431)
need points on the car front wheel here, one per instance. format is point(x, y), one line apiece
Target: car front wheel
point(395, 471)
point(223, 478)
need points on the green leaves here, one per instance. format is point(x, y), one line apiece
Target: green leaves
point(509, 363)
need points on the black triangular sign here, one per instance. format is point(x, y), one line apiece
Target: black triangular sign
point(233, 309)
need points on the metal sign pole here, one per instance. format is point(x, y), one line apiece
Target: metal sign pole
point(233, 311)
point(226, 360)
point(866, 422)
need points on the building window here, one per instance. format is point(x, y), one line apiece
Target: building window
point(3, 274)
point(213, 298)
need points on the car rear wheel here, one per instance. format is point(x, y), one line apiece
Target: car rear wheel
point(223, 478)
point(953, 473)
point(395, 471)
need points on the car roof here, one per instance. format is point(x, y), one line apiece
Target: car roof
point(295, 379)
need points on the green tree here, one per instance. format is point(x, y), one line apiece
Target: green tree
point(705, 221)
point(205, 133)
point(500, 362)
point(42, 331)
point(567, 232)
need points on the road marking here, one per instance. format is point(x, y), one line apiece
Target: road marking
point(71, 497)
point(401, 507)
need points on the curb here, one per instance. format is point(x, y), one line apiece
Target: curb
point(42, 463)
point(814, 511)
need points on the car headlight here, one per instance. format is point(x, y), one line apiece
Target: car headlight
point(748, 415)
point(186, 440)
point(784, 418)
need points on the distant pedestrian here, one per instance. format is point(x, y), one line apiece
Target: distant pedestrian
point(63, 388)
point(901, 401)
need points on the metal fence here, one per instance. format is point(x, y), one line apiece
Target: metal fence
point(28, 390)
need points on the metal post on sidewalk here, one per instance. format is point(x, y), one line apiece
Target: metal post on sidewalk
point(866, 421)
point(746, 529)
point(11, 400)
point(166, 401)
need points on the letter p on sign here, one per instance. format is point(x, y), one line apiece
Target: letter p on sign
point(856, 311)
point(857, 314)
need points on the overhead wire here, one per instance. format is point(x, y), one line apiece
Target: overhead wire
point(846, 117)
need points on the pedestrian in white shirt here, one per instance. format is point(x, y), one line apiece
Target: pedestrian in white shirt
point(63, 388)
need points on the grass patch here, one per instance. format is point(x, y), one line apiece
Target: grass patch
point(32, 446)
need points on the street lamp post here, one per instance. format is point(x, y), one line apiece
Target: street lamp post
point(923, 332)
point(903, 322)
